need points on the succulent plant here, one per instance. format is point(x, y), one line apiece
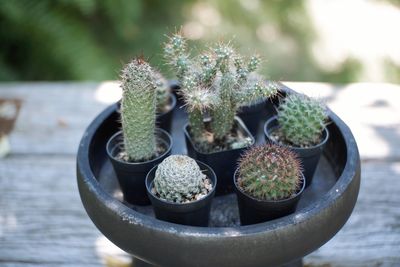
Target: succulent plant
point(302, 119)
point(215, 84)
point(162, 91)
point(269, 172)
point(138, 110)
point(178, 178)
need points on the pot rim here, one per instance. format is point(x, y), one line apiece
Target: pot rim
point(275, 118)
point(150, 184)
point(172, 106)
point(299, 191)
point(350, 173)
point(158, 130)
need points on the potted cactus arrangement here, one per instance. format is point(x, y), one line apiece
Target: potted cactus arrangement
point(140, 145)
point(166, 102)
point(181, 190)
point(300, 125)
point(214, 85)
point(268, 183)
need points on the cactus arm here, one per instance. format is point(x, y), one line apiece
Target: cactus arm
point(256, 91)
point(176, 55)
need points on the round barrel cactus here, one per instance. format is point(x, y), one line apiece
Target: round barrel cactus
point(269, 172)
point(178, 178)
point(302, 120)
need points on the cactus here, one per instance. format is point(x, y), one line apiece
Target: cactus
point(269, 172)
point(220, 77)
point(302, 120)
point(138, 110)
point(162, 92)
point(178, 178)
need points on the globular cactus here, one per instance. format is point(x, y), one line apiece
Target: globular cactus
point(162, 91)
point(269, 172)
point(178, 178)
point(138, 110)
point(302, 120)
point(223, 76)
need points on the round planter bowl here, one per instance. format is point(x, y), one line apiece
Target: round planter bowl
point(195, 213)
point(322, 211)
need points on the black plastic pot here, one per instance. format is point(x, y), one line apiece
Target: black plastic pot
point(309, 156)
point(223, 162)
point(252, 210)
point(164, 119)
point(196, 213)
point(131, 175)
point(252, 116)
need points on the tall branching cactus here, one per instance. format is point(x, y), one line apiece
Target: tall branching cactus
point(215, 83)
point(138, 110)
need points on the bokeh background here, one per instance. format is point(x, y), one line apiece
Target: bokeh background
point(300, 40)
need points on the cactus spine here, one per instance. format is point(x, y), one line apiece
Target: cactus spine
point(302, 120)
point(220, 77)
point(178, 178)
point(269, 172)
point(138, 110)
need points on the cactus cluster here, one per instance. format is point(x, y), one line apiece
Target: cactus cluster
point(269, 172)
point(215, 84)
point(162, 92)
point(178, 178)
point(138, 110)
point(302, 120)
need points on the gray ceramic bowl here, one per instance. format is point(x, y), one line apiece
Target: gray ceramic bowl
point(323, 210)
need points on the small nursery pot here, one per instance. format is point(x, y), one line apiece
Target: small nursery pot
point(251, 115)
point(194, 213)
point(309, 156)
point(252, 210)
point(222, 162)
point(131, 175)
point(164, 119)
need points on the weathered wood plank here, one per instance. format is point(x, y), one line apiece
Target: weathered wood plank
point(54, 115)
point(43, 223)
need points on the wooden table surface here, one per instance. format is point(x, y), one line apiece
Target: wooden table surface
point(42, 220)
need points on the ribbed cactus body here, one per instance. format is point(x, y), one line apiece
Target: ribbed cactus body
point(138, 110)
point(302, 119)
point(269, 172)
point(178, 178)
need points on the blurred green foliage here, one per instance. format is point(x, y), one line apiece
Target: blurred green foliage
point(92, 39)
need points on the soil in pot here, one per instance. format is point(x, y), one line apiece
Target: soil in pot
point(309, 156)
point(195, 211)
point(164, 114)
point(131, 175)
point(252, 210)
point(221, 157)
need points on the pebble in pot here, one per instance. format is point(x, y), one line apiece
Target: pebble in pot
point(300, 125)
point(181, 190)
point(139, 146)
point(214, 86)
point(268, 183)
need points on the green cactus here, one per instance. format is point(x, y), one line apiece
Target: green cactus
point(162, 92)
point(220, 77)
point(302, 120)
point(138, 110)
point(178, 178)
point(269, 172)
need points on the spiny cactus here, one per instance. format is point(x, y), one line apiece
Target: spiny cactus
point(220, 77)
point(178, 178)
point(302, 119)
point(269, 172)
point(162, 91)
point(138, 110)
